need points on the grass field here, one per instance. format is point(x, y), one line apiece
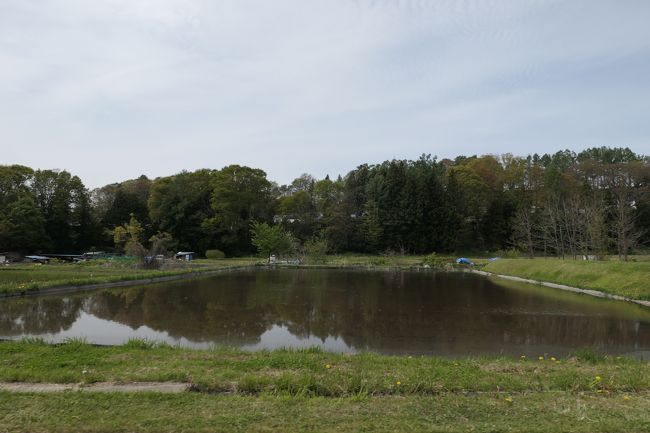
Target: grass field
point(26, 277)
point(315, 391)
point(493, 412)
point(313, 372)
point(630, 279)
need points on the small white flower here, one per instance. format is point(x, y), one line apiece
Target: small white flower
point(84, 371)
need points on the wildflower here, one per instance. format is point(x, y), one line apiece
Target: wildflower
point(508, 400)
point(398, 383)
point(522, 357)
point(84, 371)
point(541, 358)
point(553, 358)
point(598, 378)
point(456, 364)
point(626, 397)
point(328, 366)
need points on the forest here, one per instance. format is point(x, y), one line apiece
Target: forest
point(565, 204)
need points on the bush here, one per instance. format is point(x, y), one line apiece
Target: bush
point(316, 250)
point(434, 261)
point(215, 254)
point(378, 261)
point(508, 254)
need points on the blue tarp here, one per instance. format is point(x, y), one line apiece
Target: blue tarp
point(464, 261)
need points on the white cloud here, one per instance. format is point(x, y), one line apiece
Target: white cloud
point(115, 88)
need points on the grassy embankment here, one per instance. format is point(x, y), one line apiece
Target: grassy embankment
point(629, 279)
point(312, 390)
point(33, 277)
point(27, 277)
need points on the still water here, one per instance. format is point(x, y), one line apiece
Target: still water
point(396, 312)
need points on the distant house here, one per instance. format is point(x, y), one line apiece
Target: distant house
point(188, 256)
point(11, 256)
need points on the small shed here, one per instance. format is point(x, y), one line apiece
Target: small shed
point(188, 256)
point(3, 258)
point(37, 259)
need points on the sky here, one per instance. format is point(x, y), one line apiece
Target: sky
point(112, 89)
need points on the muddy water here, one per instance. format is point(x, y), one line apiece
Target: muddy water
point(404, 312)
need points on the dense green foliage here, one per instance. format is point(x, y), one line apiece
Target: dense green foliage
point(44, 210)
point(565, 204)
point(271, 240)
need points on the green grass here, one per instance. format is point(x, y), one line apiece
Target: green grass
point(310, 390)
point(630, 279)
point(373, 260)
point(78, 411)
point(312, 372)
point(28, 277)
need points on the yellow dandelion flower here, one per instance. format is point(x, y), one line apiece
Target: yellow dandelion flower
point(508, 400)
point(598, 378)
point(626, 397)
point(553, 358)
point(398, 383)
point(541, 358)
point(328, 366)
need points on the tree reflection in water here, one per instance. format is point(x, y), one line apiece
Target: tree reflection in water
point(389, 312)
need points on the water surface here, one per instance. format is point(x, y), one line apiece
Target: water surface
point(396, 312)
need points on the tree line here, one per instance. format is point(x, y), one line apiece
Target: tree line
point(565, 204)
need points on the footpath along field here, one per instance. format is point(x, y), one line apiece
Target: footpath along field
point(311, 390)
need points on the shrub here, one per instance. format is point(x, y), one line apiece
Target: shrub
point(434, 261)
point(378, 261)
point(316, 250)
point(508, 254)
point(215, 254)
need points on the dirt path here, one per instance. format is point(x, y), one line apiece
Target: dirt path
point(166, 387)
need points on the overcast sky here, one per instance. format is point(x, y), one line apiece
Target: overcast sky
point(111, 89)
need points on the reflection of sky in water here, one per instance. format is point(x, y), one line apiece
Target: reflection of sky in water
point(107, 332)
point(279, 336)
point(100, 331)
